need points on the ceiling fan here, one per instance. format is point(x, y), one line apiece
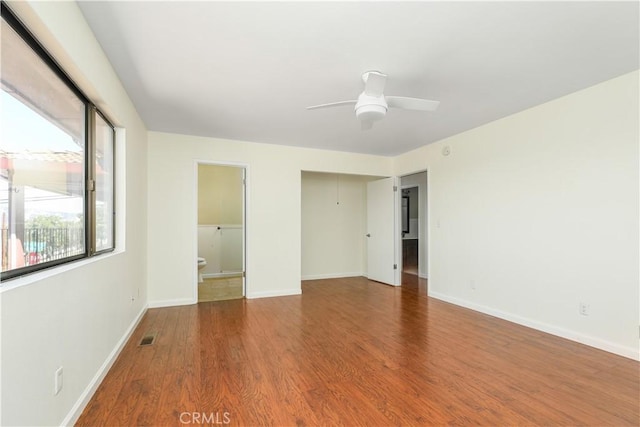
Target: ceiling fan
point(372, 104)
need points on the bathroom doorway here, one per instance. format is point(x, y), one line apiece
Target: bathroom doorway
point(221, 232)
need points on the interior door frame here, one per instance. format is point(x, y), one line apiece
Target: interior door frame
point(397, 230)
point(401, 244)
point(423, 209)
point(245, 225)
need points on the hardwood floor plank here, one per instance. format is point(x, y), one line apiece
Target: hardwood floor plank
point(354, 352)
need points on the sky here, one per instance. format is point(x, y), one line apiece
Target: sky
point(23, 129)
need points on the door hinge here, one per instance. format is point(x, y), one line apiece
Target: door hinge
point(395, 266)
point(395, 188)
point(91, 184)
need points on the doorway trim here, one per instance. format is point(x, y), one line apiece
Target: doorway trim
point(423, 210)
point(420, 226)
point(245, 225)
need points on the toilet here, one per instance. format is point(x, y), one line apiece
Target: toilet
point(202, 263)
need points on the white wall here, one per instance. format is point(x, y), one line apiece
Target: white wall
point(221, 247)
point(273, 216)
point(334, 219)
point(77, 317)
point(540, 212)
point(420, 180)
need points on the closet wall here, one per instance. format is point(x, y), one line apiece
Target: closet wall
point(334, 215)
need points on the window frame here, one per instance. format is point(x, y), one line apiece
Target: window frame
point(92, 211)
point(89, 217)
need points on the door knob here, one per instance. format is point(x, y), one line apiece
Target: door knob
point(368, 235)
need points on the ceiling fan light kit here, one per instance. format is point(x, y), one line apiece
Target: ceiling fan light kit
point(370, 109)
point(372, 105)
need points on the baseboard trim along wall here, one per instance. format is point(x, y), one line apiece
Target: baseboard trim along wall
point(81, 403)
point(631, 353)
point(223, 274)
point(269, 294)
point(172, 303)
point(331, 276)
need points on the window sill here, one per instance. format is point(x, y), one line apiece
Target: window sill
point(29, 279)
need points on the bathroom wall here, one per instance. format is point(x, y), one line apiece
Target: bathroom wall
point(414, 225)
point(220, 219)
point(219, 195)
point(221, 247)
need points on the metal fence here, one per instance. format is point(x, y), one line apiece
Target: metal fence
point(46, 244)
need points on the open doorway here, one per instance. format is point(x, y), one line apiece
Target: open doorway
point(221, 232)
point(336, 233)
point(413, 233)
point(410, 204)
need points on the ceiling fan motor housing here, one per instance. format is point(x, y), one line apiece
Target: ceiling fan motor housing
point(370, 108)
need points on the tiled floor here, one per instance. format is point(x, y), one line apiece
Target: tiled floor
point(220, 289)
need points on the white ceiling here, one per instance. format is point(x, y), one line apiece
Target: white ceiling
point(247, 70)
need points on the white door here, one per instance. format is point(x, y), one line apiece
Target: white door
point(244, 232)
point(381, 241)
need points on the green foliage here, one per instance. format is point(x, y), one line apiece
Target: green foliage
point(47, 221)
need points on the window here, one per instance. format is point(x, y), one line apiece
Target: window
point(56, 161)
point(103, 172)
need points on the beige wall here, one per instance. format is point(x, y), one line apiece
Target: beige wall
point(78, 315)
point(273, 222)
point(334, 219)
point(529, 215)
point(219, 195)
point(534, 213)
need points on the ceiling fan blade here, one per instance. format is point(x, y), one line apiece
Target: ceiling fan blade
point(411, 103)
point(332, 104)
point(366, 125)
point(374, 83)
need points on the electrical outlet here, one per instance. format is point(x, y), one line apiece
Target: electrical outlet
point(583, 309)
point(57, 381)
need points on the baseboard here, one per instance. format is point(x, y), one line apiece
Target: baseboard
point(331, 276)
point(172, 302)
point(223, 274)
point(278, 293)
point(85, 397)
point(631, 353)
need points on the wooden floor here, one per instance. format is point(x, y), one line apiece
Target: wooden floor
point(353, 352)
point(220, 289)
